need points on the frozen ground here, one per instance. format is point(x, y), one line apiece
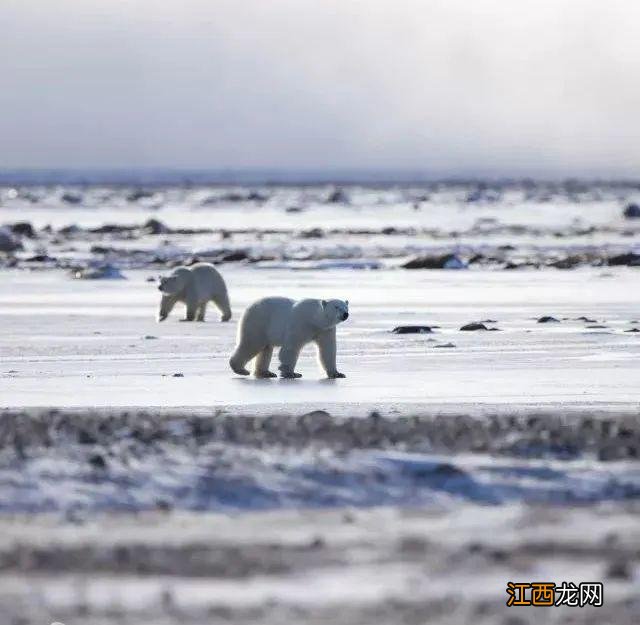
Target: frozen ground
point(224, 518)
point(96, 343)
point(500, 225)
point(351, 567)
point(142, 482)
point(520, 463)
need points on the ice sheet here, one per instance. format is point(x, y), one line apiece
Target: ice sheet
point(79, 343)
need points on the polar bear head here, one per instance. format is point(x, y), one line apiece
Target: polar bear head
point(335, 311)
point(175, 283)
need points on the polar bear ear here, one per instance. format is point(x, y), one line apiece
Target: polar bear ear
point(346, 302)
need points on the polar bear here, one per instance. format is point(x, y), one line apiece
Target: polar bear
point(194, 286)
point(290, 325)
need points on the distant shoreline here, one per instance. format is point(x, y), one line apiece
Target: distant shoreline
point(161, 177)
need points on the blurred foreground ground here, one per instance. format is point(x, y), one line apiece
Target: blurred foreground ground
point(200, 516)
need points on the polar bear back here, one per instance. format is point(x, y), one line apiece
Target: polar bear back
point(270, 320)
point(205, 281)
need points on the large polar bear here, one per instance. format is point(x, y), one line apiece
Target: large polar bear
point(194, 286)
point(290, 325)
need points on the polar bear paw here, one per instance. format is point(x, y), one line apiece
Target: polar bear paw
point(335, 374)
point(289, 374)
point(266, 374)
point(237, 369)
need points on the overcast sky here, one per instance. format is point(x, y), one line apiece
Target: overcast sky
point(446, 86)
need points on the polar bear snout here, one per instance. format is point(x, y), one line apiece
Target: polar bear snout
point(345, 316)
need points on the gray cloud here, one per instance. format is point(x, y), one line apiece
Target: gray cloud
point(449, 86)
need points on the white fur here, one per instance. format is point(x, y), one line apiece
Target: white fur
point(194, 286)
point(282, 322)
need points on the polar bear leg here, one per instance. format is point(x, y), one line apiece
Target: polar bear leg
point(166, 306)
point(288, 356)
point(326, 343)
point(202, 309)
point(263, 360)
point(243, 354)
point(222, 302)
point(192, 308)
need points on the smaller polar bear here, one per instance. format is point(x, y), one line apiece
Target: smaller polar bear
point(194, 286)
point(290, 325)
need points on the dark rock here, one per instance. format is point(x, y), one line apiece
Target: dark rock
point(337, 196)
point(233, 197)
point(619, 569)
point(474, 196)
point(412, 330)
point(633, 330)
point(40, 258)
point(478, 258)
point(164, 506)
point(313, 233)
point(445, 261)
point(112, 229)
point(23, 229)
point(86, 438)
point(567, 263)
point(444, 345)
point(629, 259)
point(632, 211)
point(314, 420)
point(155, 226)
point(101, 249)
point(470, 327)
point(97, 461)
point(293, 209)
point(234, 256)
point(548, 319)
point(208, 201)
point(178, 375)
point(237, 196)
point(71, 229)
point(586, 319)
point(139, 194)
point(8, 241)
point(521, 265)
point(69, 197)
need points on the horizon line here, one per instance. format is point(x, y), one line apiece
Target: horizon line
point(153, 175)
